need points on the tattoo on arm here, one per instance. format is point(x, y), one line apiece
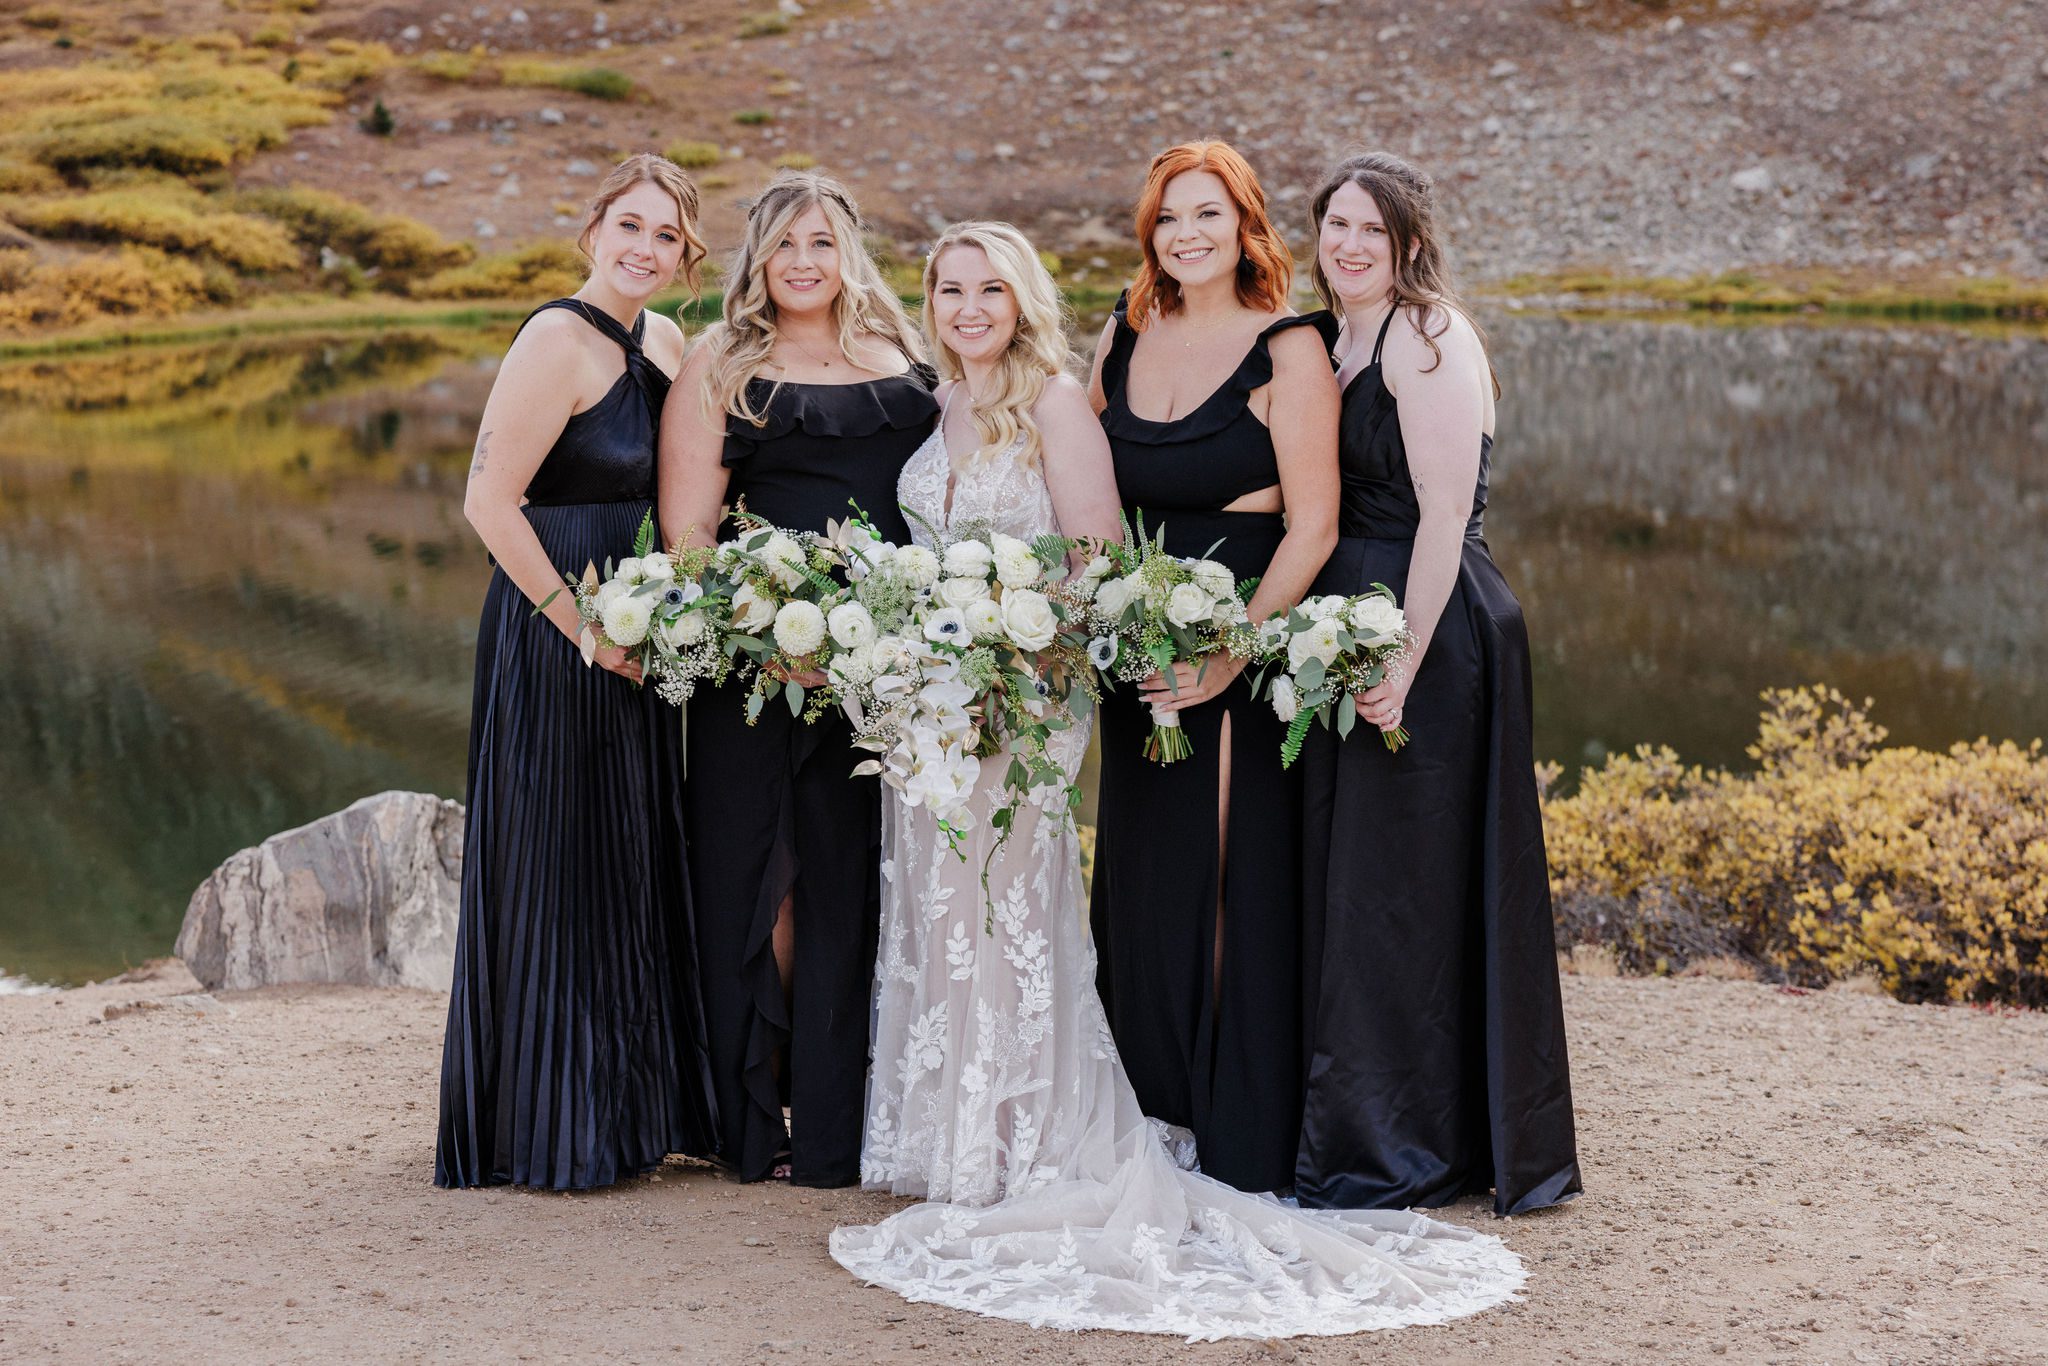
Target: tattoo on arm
point(483, 444)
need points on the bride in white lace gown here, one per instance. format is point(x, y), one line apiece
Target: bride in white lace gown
point(995, 1092)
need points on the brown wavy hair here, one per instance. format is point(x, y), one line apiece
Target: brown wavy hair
point(646, 168)
point(1406, 196)
point(1265, 268)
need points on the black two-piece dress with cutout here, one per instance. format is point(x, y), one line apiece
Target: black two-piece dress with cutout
point(774, 810)
point(575, 1052)
point(1228, 1067)
point(1435, 1034)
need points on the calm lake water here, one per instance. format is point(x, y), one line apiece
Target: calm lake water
point(241, 593)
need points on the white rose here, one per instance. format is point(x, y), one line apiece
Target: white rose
point(961, 593)
point(1286, 701)
point(1098, 569)
point(628, 571)
point(1324, 608)
point(1029, 619)
point(785, 559)
point(751, 612)
point(1227, 610)
point(1319, 641)
point(610, 591)
point(851, 625)
point(948, 625)
point(885, 654)
point(1016, 565)
point(985, 619)
point(969, 559)
point(799, 628)
point(1188, 604)
point(918, 566)
point(626, 618)
point(1113, 597)
point(685, 630)
point(656, 566)
point(1377, 620)
point(1216, 579)
point(852, 668)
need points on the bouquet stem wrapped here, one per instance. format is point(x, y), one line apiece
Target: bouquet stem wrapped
point(1151, 610)
point(1327, 650)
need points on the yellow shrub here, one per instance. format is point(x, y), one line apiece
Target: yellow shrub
point(18, 177)
point(796, 161)
point(599, 82)
point(454, 66)
point(542, 268)
point(383, 242)
point(174, 219)
point(1835, 857)
point(133, 282)
point(188, 116)
point(695, 156)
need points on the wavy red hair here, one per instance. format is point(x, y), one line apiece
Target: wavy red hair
point(1265, 268)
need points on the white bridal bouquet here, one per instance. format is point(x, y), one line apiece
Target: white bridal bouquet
point(1328, 649)
point(664, 609)
point(1149, 609)
point(945, 656)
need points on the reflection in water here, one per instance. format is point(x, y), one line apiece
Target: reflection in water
point(244, 595)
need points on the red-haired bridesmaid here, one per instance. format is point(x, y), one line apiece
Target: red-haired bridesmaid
point(1221, 413)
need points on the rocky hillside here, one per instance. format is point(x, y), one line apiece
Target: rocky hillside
point(1655, 136)
point(1878, 138)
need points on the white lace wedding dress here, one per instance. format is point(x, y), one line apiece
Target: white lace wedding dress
point(996, 1095)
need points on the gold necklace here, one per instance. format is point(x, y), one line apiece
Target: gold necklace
point(1189, 344)
point(807, 350)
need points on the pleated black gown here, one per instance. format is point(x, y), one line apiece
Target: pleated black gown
point(1227, 1067)
point(1434, 1032)
point(774, 810)
point(575, 1047)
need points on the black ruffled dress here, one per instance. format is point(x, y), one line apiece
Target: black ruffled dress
point(773, 809)
point(575, 1051)
point(1435, 1034)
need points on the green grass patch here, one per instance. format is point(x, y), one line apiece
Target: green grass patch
point(544, 269)
point(598, 82)
point(753, 118)
point(1955, 299)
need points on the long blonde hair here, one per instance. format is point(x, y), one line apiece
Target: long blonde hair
point(744, 339)
point(645, 168)
point(1036, 353)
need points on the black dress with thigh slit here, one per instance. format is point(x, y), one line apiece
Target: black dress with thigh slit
point(575, 1048)
point(775, 812)
point(1226, 1066)
point(1434, 1031)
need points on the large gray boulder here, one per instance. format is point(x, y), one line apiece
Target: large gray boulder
point(366, 897)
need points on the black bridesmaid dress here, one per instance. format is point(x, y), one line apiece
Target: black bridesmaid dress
point(1434, 1031)
point(1227, 1067)
point(774, 809)
point(575, 1046)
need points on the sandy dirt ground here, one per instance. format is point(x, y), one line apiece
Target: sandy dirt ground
point(1772, 1176)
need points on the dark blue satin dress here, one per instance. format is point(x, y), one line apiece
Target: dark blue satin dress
point(775, 813)
point(1434, 1031)
point(575, 1047)
point(1226, 1066)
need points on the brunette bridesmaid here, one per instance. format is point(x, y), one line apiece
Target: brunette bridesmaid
point(1435, 1038)
point(575, 1053)
point(809, 396)
point(1221, 414)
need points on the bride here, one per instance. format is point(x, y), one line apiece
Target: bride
point(995, 1093)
